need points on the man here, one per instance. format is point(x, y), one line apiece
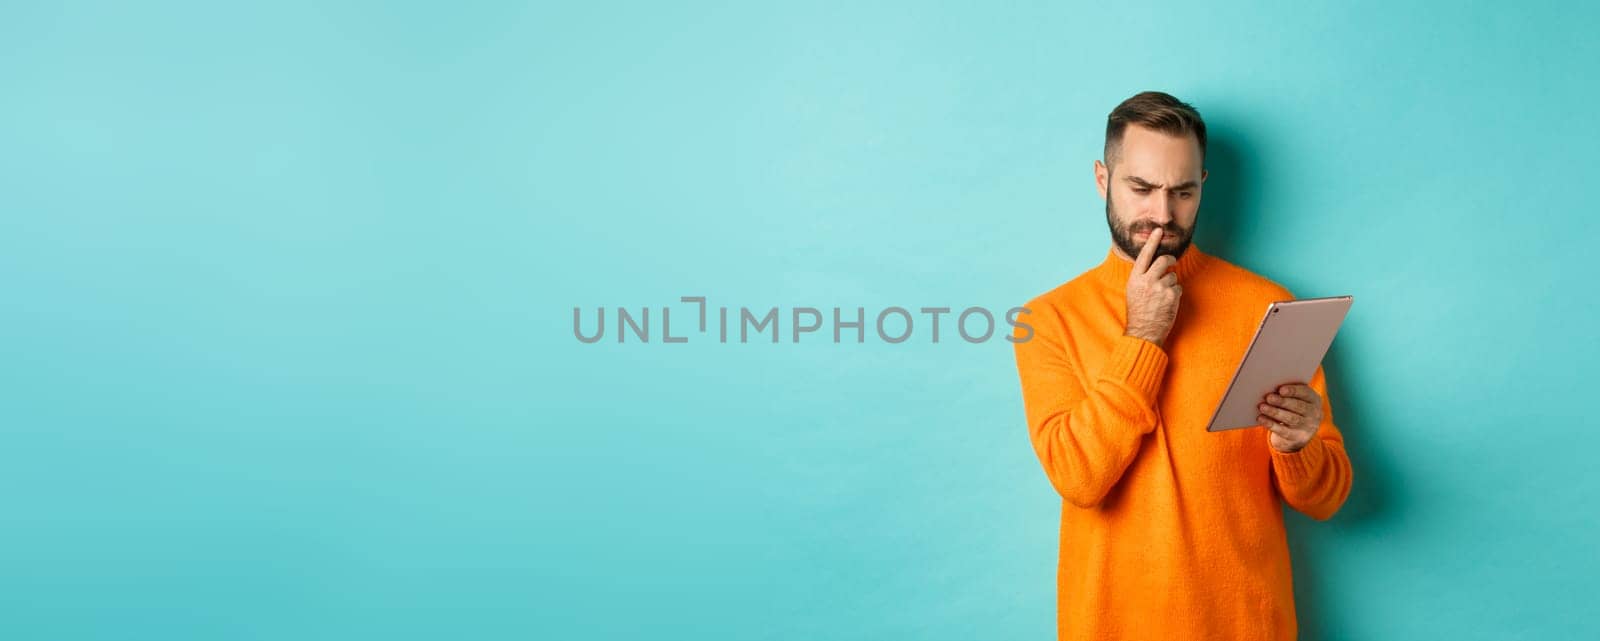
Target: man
point(1168, 531)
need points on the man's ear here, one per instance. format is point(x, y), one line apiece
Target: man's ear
point(1203, 175)
point(1102, 178)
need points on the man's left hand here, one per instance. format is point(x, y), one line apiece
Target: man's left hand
point(1292, 415)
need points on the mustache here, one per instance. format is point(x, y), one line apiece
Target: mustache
point(1167, 230)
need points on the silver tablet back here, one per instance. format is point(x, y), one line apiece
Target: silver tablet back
point(1288, 347)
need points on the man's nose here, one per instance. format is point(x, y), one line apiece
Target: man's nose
point(1161, 209)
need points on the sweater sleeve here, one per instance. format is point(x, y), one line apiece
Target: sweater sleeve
point(1316, 479)
point(1086, 429)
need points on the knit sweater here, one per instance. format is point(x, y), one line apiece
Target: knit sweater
point(1167, 531)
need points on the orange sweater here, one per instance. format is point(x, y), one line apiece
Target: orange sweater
point(1167, 531)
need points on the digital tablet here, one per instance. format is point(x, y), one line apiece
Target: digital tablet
point(1288, 346)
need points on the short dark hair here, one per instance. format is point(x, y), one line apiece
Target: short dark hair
point(1158, 111)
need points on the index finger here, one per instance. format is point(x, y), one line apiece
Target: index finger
point(1147, 254)
point(1300, 391)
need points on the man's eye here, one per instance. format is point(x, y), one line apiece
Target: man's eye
point(1141, 190)
point(1185, 194)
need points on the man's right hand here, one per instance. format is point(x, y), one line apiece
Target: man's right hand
point(1153, 293)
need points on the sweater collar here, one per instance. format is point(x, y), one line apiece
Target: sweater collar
point(1114, 271)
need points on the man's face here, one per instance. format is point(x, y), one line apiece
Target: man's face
point(1153, 181)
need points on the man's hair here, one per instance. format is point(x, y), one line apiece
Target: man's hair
point(1158, 111)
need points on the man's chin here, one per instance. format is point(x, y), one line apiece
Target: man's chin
point(1176, 251)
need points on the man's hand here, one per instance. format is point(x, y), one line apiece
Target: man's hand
point(1292, 415)
point(1153, 292)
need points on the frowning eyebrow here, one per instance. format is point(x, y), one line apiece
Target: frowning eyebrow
point(1140, 182)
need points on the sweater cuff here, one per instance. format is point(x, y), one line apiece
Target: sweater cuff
point(1301, 464)
point(1139, 364)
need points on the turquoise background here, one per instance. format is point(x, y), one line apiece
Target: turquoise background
point(289, 288)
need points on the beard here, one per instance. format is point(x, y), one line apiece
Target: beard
point(1123, 235)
